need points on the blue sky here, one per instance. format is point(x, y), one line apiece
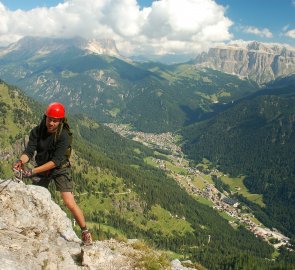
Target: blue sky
point(152, 27)
point(275, 15)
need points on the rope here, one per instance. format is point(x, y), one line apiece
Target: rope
point(6, 185)
point(4, 181)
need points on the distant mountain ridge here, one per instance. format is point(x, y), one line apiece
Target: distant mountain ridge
point(260, 62)
point(43, 46)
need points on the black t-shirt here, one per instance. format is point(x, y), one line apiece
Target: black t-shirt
point(42, 142)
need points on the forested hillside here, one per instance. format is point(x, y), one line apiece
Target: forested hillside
point(256, 138)
point(123, 196)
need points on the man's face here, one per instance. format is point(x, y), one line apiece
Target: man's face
point(52, 124)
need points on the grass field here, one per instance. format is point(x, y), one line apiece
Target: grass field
point(199, 181)
point(106, 228)
point(175, 169)
point(204, 201)
point(226, 216)
point(237, 185)
point(150, 161)
point(162, 219)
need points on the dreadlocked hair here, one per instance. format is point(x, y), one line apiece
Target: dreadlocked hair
point(59, 130)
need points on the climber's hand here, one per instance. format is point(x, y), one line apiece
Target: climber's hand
point(17, 165)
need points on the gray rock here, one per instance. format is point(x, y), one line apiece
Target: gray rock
point(176, 265)
point(36, 234)
point(260, 62)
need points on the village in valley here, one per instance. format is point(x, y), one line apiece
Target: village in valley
point(197, 182)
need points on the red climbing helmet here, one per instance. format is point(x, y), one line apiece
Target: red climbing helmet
point(55, 110)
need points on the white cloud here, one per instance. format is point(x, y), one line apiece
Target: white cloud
point(167, 26)
point(258, 32)
point(290, 33)
point(285, 28)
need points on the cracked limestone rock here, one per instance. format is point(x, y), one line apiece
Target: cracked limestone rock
point(34, 231)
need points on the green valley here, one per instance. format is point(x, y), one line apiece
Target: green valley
point(123, 195)
point(254, 139)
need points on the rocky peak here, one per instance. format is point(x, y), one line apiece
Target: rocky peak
point(42, 45)
point(106, 46)
point(261, 62)
point(36, 234)
point(258, 46)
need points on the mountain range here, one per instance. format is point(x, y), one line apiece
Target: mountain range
point(40, 46)
point(150, 96)
point(257, 61)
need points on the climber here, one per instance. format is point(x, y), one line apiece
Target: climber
point(51, 140)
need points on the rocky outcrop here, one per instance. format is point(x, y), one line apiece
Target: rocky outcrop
point(36, 234)
point(258, 61)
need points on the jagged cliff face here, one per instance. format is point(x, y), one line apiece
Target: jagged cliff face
point(260, 62)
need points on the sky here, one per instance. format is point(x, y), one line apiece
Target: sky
point(146, 27)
